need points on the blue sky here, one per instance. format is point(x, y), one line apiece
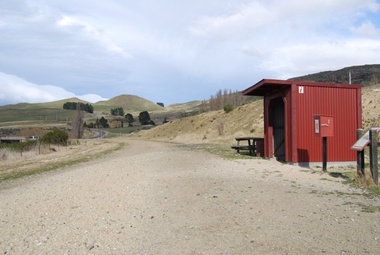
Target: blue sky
point(175, 51)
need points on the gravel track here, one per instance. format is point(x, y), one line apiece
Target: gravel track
point(157, 198)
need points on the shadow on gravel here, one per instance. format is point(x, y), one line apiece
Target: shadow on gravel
point(339, 175)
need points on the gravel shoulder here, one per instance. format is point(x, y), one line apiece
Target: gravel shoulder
point(160, 198)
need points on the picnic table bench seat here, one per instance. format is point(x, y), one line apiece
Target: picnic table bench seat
point(251, 145)
point(239, 148)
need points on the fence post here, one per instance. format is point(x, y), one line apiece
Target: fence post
point(373, 156)
point(360, 156)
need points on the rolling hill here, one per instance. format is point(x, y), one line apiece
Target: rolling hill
point(58, 104)
point(129, 103)
point(52, 113)
point(364, 75)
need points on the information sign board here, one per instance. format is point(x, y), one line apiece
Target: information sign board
point(364, 140)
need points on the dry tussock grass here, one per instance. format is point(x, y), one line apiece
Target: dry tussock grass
point(13, 164)
point(12, 155)
point(212, 127)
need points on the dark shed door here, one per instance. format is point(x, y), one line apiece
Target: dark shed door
point(278, 124)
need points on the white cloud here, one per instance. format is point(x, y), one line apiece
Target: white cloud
point(174, 51)
point(295, 37)
point(367, 29)
point(92, 31)
point(92, 98)
point(16, 90)
point(321, 56)
point(278, 18)
point(249, 17)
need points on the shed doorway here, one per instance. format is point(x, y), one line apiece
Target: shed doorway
point(277, 122)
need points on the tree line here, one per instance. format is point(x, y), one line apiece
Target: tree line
point(226, 99)
point(144, 116)
point(144, 119)
point(82, 106)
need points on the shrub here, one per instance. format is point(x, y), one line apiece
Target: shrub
point(228, 107)
point(58, 137)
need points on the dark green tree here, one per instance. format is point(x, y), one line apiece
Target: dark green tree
point(129, 118)
point(83, 107)
point(103, 123)
point(117, 111)
point(91, 125)
point(144, 118)
point(89, 108)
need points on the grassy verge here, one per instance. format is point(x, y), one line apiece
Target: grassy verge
point(58, 165)
point(351, 178)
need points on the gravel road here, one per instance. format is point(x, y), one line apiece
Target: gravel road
point(157, 198)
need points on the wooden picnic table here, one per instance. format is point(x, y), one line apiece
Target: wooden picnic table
point(251, 144)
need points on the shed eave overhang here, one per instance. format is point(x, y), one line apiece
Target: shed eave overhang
point(266, 86)
point(269, 86)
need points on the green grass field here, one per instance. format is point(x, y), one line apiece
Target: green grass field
point(42, 115)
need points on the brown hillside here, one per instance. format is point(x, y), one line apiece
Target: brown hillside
point(246, 120)
point(364, 75)
point(215, 126)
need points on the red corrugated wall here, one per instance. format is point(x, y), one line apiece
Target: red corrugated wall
point(343, 104)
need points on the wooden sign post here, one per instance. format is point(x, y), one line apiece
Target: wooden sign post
point(368, 139)
point(359, 156)
point(374, 162)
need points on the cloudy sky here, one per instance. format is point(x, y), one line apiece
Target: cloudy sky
point(174, 51)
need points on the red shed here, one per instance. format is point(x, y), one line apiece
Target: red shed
point(289, 119)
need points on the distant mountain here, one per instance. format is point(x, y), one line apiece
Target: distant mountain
point(364, 75)
point(53, 112)
point(51, 105)
point(127, 102)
